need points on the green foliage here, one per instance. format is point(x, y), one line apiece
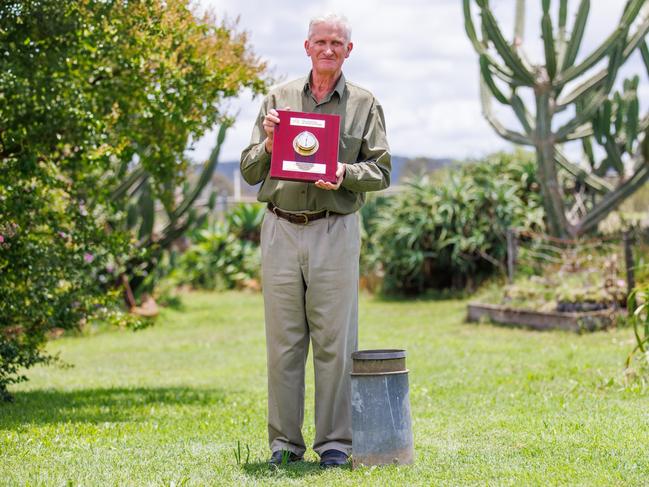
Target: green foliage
point(567, 290)
point(91, 91)
point(155, 238)
point(224, 256)
point(614, 119)
point(616, 127)
point(54, 270)
point(245, 221)
point(638, 308)
point(238, 456)
point(218, 259)
point(453, 232)
point(371, 215)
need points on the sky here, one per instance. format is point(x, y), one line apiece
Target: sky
point(413, 55)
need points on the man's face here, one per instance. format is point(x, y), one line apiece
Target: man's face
point(327, 48)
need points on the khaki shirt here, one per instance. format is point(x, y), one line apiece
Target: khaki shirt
point(363, 148)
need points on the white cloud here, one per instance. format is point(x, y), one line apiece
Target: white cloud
point(412, 54)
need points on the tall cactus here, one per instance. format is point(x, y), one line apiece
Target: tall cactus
point(613, 123)
point(140, 201)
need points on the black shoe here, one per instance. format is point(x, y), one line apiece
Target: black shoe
point(333, 458)
point(283, 457)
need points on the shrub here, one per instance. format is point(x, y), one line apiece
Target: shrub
point(245, 221)
point(217, 260)
point(92, 90)
point(452, 232)
point(370, 267)
point(56, 262)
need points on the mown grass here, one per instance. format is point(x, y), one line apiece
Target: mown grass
point(167, 405)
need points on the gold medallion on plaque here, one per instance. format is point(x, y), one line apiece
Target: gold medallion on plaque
point(305, 143)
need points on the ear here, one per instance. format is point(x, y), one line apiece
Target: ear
point(350, 46)
point(306, 47)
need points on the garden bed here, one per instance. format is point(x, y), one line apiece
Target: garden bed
point(542, 320)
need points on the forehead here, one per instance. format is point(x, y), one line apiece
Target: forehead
point(327, 30)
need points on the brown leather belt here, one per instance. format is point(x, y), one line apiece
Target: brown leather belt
point(301, 218)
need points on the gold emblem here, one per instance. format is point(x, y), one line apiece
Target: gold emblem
point(305, 143)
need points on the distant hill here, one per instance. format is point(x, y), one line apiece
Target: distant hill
point(402, 167)
point(405, 167)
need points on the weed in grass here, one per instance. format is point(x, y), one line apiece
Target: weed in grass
point(285, 456)
point(237, 453)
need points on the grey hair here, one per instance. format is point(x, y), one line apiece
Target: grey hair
point(332, 18)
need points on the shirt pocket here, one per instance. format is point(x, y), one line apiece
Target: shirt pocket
point(350, 148)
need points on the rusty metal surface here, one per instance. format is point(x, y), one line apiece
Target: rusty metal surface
point(378, 366)
point(378, 361)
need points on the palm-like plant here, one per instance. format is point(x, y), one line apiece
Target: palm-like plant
point(139, 198)
point(245, 221)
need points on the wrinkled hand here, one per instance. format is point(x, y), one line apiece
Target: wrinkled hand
point(340, 175)
point(270, 121)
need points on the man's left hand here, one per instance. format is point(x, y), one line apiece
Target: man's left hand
point(340, 175)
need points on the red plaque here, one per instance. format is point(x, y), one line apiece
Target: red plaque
point(305, 147)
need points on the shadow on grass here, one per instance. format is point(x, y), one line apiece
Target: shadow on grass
point(99, 405)
point(261, 470)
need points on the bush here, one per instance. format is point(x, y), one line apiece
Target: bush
point(224, 256)
point(217, 260)
point(245, 221)
point(370, 267)
point(56, 262)
point(452, 232)
point(91, 90)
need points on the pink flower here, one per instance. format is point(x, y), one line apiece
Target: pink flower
point(88, 257)
point(2, 239)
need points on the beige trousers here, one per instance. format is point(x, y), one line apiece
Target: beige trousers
point(310, 283)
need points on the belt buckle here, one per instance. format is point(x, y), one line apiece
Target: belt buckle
point(303, 215)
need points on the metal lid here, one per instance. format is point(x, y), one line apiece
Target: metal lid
point(384, 354)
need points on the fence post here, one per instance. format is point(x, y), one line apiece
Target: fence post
point(511, 255)
point(628, 260)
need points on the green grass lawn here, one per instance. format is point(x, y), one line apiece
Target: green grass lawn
point(168, 404)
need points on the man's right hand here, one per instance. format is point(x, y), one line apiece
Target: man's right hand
point(270, 120)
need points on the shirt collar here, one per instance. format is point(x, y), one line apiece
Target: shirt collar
point(339, 88)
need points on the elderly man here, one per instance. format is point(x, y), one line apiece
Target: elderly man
point(310, 243)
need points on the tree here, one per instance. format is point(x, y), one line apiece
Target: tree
point(93, 90)
point(614, 121)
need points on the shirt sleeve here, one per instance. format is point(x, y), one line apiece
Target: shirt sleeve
point(371, 172)
point(255, 161)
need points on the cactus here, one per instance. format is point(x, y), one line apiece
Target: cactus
point(137, 192)
point(613, 121)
